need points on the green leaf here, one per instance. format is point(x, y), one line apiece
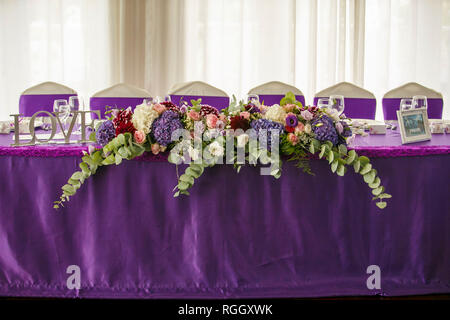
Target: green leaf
point(377, 191)
point(376, 183)
point(69, 189)
point(311, 148)
point(341, 170)
point(334, 166)
point(109, 160)
point(364, 160)
point(118, 159)
point(351, 157)
point(77, 175)
point(342, 149)
point(357, 166)
point(330, 157)
point(123, 152)
point(369, 177)
point(366, 168)
point(84, 167)
point(381, 204)
point(384, 196)
point(323, 150)
point(183, 185)
point(92, 137)
point(97, 157)
point(187, 178)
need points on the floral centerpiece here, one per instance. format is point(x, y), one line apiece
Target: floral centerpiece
point(241, 134)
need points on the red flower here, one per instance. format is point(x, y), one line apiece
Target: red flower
point(171, 106)
point(289, 129)
point(122, 122)
point(207, 109)
point(239, 122)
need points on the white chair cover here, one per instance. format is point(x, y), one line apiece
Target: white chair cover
point(346, 89)
point(275, 88)
point(196, 88)
point(412, 89)
point(122, 90)
point(49, 87)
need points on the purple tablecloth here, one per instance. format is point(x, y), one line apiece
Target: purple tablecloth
point(237, 235)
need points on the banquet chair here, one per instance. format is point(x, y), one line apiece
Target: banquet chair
point(119, 96)
point(41, 97)
point(391, 100)
point(359, 103)
point(272, 92)
point(193, 90)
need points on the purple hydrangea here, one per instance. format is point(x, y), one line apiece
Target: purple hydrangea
point(105, 133)
point(324, 129)
point(164, 126)
point(264, 124)
point(347, 130)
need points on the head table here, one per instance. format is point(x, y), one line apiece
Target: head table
point(236, 235)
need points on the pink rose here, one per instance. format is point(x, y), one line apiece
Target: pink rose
point(289, 107)
point(155, 148)
point(220, 125)
point(223, 117)
point(339, 127)
point(300, 127)
point(245, 115)
point(306, 115)
point(194, 115)
point(211, 121)
point(139, 136)
point(159, 108)
point(292, 138)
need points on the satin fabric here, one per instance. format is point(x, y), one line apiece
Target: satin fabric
point(357, 108)
point(30, 104)
point(236, 235)
point(391, 105)
point(217, 102)
point(100, 103)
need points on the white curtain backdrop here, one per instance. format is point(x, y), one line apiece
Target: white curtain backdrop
point(232, 44)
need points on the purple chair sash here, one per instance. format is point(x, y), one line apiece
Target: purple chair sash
point(271, 99)
point(217, 102)
point(30, 104)
point(357, 108)
point(100, 103)
point(391, 105)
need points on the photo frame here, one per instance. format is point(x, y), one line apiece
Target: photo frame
point(414, 125)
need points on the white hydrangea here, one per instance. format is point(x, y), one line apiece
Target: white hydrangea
point(276, 113)
point(143, 117)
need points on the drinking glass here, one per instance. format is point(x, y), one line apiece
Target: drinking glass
point(419, 102)
point(76, 103)
point(148, 101)
point(337, 103)
point(62, 110)
point(253, 98)
point(167, 98)
point(405, 104)
point(323, 103)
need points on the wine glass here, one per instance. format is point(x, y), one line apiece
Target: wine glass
point(419, 102)
point(75, 104)
point(57, 106)
point(253, 99)
point(167, 98)
point(323, 103)
point(405, 104)
point(337, 103)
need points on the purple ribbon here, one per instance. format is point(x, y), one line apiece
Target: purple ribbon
point(32, 103)
point(357, 108)
point(217, 102)
point(100, 103)
point(391, 105)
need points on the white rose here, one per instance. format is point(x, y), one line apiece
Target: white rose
point(242, 140)
point(216, 149)
point(194, 153)
point(332, 113)
point(307, 128)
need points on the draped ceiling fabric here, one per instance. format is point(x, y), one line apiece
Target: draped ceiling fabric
point(152, 44)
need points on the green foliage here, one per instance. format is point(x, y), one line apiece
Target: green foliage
point(121, 147)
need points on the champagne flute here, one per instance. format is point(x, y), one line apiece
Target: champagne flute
point(337, 103)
